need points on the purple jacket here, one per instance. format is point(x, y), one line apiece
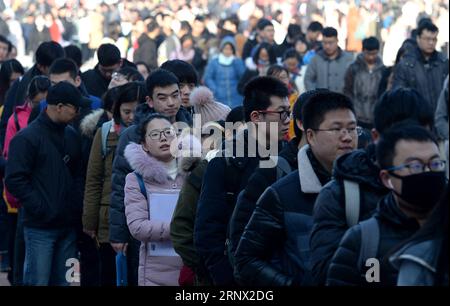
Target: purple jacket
point(153, 270)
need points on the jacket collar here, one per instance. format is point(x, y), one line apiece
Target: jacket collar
point(309, 182)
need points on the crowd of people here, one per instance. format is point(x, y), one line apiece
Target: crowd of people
point(224, 143)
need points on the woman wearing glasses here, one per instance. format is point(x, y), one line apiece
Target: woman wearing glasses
point(151, 192)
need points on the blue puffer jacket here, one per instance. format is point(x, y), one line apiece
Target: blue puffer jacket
point(223, 81)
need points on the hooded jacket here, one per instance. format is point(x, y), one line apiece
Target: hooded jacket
point(361, 85)
point(329, 218)
point(153, 270)
point(394, 227)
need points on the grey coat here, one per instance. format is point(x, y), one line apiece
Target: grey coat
point(426, 76)
point(325, 73)
point(361, 85)
point(441, 115)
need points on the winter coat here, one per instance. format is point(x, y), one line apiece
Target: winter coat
point(95, 83)
point(329, 217)
point(441, 115)
point(274, 248)
point(215, 207)
point(361, 85)
point(118, 230)
point(183, 221)
point(426, 77)
point(416, 263)
point(97, 191)
point(394, 227)
point(248, 47)
point(153, 270)
point(257, 184)
point(223, 81)
point(325, 73)
point(147, 51)
point(44, 173)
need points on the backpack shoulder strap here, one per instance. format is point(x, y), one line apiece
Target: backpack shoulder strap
point(283, 167)
point(370, 240)
point(352, 202)
point(106, 127)
point(141, 184)
point(16, 121)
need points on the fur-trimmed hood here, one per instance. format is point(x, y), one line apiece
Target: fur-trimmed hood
point(88, 125)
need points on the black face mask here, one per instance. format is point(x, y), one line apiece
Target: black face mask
point(422, 190)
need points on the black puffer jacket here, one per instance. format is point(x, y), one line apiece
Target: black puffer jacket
point(394, 227)
point(258, 182)
point(274, 248)
point(118, 229)
point(427, 77)
point(329, 215)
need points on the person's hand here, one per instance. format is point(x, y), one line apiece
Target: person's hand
point(120, 247)
point(90, 233)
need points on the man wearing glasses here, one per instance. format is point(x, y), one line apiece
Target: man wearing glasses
point(274, 248)
point(424, 68)
point(44, 173)
point(413, 171)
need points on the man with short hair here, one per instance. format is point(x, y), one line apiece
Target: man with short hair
point(46, 54)
point(164, 98)
point(265, 102)
point(327, 68)
point(265, 32)
point(423, 68)
point(274, 248)
point(313, 33)
point(44, 173)
point(109, 61)
point(333, 213)
point(362, 80)
point(413, 171)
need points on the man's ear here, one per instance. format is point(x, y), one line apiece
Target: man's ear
point(299, 124)
point(310, 136)
point(375, 135)
point(255, 116)
point(386, 179)
point(77, 81)
point(43, 69)
point(149, 101)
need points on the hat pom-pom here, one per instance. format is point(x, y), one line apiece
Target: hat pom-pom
point(201, 95)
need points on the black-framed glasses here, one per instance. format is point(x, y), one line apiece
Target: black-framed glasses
point(157, 134)
point(284, 114)
point(357, 130)
point(416, 167)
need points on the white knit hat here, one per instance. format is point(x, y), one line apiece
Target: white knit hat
point(202, 99)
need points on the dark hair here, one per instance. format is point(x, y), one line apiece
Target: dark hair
point(315, 108)
point(160, 78)
point(275, 70)
point(236, 115)
point(64, 65)
point(408, 130)
point(270, 50)
point(145, 65)
point(291, 53)
point(74, 53)
point(200, 18)
point(294, 30)
point(108, 55)
point(315, 26)
point(152, 25)
point(38, 84)
point(144, 123)
point(329, 32)
point(4, 40)
point(48, 52)
point(297, 109)
point(129, 92)
point(426, 25)
point(258, 91)
point(401, 104)
point(7, 68)
point(109, 98)
point(184, 25)
point(131, 74)
point(187, 37)
point(184, 71)
point(262, 23)
point(371, 43)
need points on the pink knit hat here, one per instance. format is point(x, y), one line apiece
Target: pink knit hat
point(202, 99)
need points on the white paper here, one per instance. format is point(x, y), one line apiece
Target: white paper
point(162, 206)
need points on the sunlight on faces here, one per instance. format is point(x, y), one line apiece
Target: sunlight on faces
point(56, 78)
point(330, 45)
point(158, 139)
point(427, 41)
point(328, 145)
point(186, 89)
point(166, 100)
